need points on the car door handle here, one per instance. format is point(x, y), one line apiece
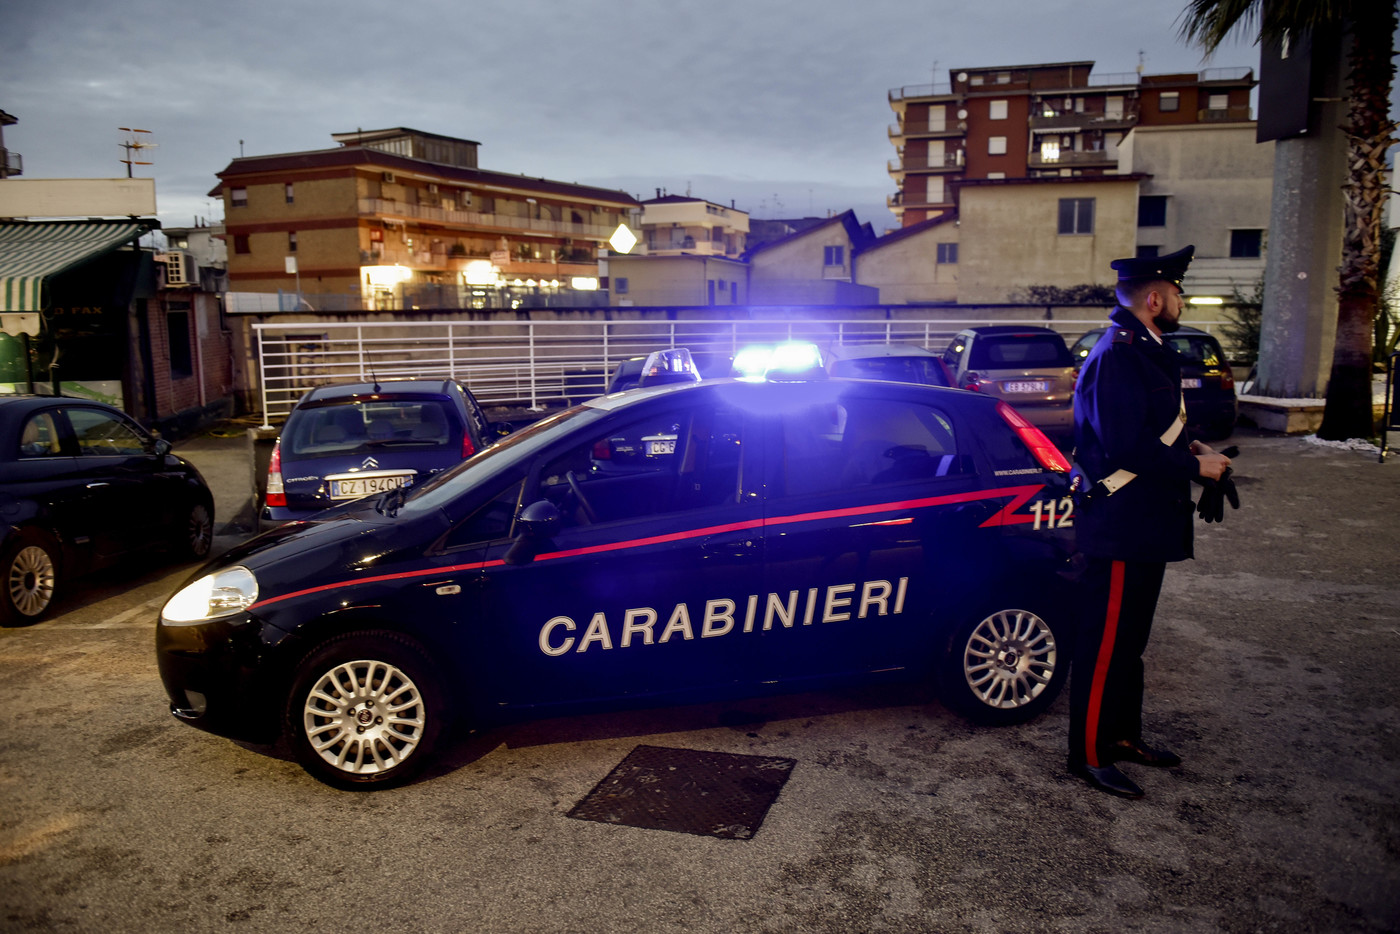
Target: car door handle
point(730, 548)
point(94, 486)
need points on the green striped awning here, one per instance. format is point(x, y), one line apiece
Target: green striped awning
point(31, 252)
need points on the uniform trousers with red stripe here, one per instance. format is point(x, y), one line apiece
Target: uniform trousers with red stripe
point(1117, 602)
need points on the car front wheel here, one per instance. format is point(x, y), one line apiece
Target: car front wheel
point(29, 563)
point(1004, 667)
point(365, 710)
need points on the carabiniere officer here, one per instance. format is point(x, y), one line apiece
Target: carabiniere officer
point(1131, 442)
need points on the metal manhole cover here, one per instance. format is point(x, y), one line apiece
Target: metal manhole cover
point(713, 794)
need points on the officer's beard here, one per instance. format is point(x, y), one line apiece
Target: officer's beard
point(1167, 324)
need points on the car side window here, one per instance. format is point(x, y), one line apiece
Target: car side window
point(668, 461)
point(953, 351)
point(40, 437)
point(491, 522)
point(100, 433)
point(868, 443)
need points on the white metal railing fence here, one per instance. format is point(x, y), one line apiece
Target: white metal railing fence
point(536, 364)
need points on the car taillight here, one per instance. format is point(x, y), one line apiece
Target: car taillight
point(468, 448)
point(276, 493)
point(602, 451)
point(972, 381)
point(1227, 379)
point(1043, 449)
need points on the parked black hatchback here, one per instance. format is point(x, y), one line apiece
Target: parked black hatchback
point(1207, 383)
point(81, 486)
point(788, 531)
point(348, 440)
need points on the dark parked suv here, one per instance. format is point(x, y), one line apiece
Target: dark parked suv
point(1030, 368)
point(1206, 379)
point(349, 440)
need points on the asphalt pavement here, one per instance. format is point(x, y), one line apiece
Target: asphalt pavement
point(1271, 671)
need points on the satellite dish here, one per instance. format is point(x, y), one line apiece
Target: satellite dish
point(962, 76)
point(962, 114)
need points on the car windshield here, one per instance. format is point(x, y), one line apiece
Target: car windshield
point(342, 429)
point(1196, 349)
point(923, 370)
point(1019, 350)
point(501, 456)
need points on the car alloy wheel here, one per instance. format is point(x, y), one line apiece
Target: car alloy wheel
point(31, 578)
point(1005, 668)
point(199, 531)
point(365, 711)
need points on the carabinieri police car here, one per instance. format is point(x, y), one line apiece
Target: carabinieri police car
point(789, 529)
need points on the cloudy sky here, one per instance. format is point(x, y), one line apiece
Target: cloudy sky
point(780, 106)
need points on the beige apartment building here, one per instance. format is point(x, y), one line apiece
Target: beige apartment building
point(398, 217)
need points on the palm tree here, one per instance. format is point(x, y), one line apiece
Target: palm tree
point(1370, 25)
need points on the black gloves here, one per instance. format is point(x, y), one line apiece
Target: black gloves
point(1214, 493)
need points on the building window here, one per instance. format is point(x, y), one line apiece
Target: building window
point(1147, 252)
point(1218, 102)
point(291, 241)
point(833, 256)
point(1050, 150)
point(996, 146)
point(620, 285)
point(287, 193)
point(996, 110)
point(947, 253)
point(1170, 102)
point(1076, 215)
point(177, 329)
point(996, 175)
point(1152, 211)
point(1246, 243)
point(240, 243)
point(238, 197)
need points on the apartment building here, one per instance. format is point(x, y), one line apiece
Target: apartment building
point(673, 225)
point(398, 218)
point(1038, 121)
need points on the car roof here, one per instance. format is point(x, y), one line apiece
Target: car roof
point(866, 351)
point(350, 391)
point(822, 389)
point(993, 329)
point(27, 401)
point(1183, 329)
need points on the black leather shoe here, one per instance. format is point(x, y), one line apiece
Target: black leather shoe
point(1107, 778)
point(1128, 750)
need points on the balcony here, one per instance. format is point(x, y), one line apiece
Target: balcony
point(1096, 158)
point(935, 129)
point(11, 163)
point(948, 162)
point(921, 90)
point(898, 202)
point(1240, 114)
point(380, 207)
point(441, 261)
point(1072, 122)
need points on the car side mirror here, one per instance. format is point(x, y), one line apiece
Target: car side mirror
point(160, 447)
point(536, 523)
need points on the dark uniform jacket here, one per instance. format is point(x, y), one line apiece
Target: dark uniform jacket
point(1128, 393)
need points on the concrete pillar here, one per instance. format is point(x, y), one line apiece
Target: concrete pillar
point(1299, 326)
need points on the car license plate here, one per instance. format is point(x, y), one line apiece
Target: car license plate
point(661, 445)
point(1193, 383)
point(356, 487)
point(1028, 385)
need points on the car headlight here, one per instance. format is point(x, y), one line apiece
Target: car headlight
point(213, 596)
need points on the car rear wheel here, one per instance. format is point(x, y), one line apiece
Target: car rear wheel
point(29, 563)
point(365, 711)
point(197, 534)
point(1004, 667)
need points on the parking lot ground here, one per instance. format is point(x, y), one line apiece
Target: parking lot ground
point(1271, 670)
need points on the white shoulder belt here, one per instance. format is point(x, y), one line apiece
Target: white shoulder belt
point(1119, 478)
